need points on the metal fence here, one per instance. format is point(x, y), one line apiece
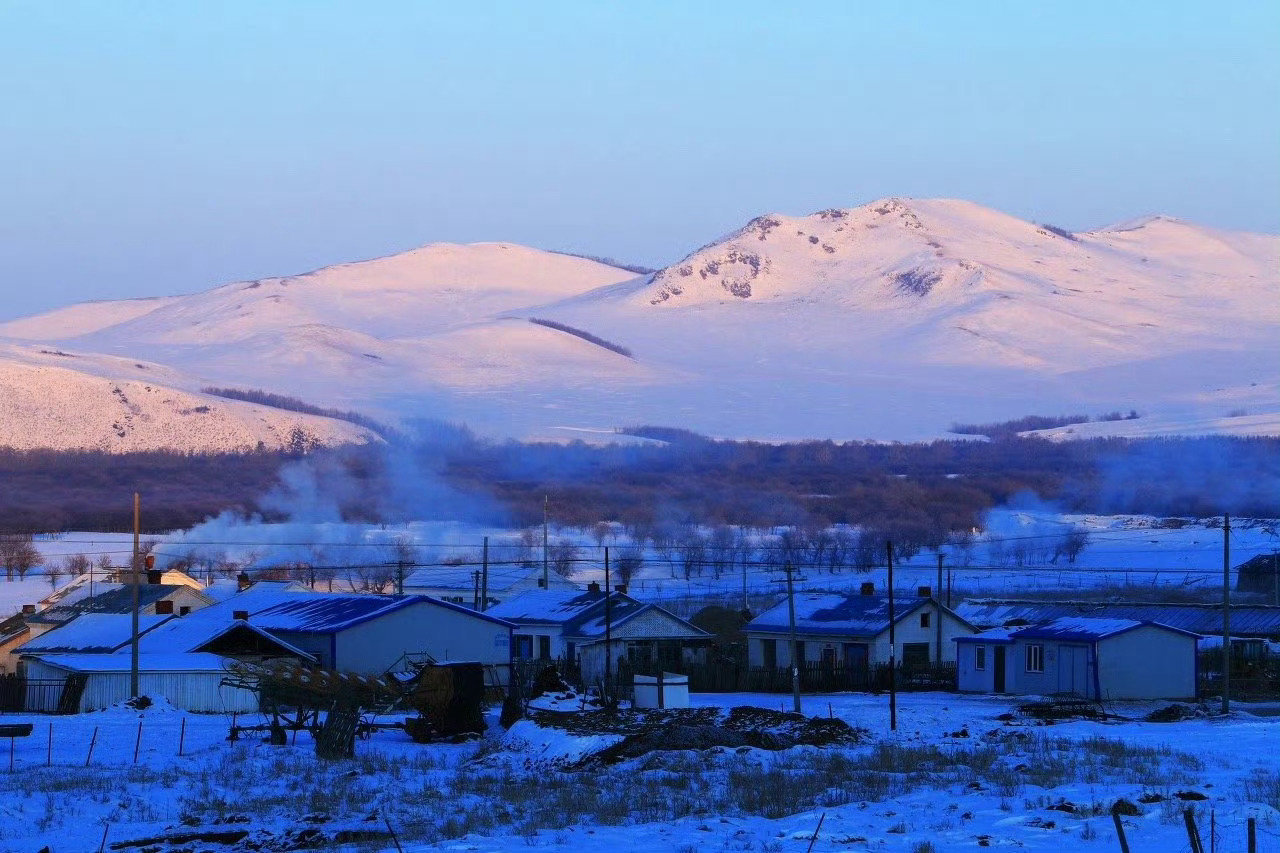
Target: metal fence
point(19, 693)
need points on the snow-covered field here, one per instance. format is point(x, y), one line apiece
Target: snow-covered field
point(953, 775)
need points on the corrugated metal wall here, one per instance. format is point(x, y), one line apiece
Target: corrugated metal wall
point(190, 691)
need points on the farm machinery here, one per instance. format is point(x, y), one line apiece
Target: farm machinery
point(447, 698)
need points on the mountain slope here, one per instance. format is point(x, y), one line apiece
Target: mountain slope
point(890, 320)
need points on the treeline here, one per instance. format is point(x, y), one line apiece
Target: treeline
point(46, 490)
point(293, 404)
point(919, 493)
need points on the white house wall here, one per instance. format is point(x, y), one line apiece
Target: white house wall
point(201, 692)
point(1147, 663)
point(970, 679)
point(373, 647)
point(906, 631)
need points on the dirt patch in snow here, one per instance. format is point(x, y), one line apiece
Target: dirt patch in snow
point(644, 731)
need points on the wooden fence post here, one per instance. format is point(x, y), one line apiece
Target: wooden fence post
point(137, 744)
point(48, 760)
point(182, 736)
point(1124, 842)
point(1193, 834)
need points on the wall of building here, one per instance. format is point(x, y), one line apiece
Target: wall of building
point(969, 678)
point(1147, 663)
point(191, 691)
point(907, 631)
point(441, 632)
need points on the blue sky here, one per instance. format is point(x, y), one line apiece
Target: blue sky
point(153, 148)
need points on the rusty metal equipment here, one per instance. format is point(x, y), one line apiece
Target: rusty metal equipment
point(448, 699)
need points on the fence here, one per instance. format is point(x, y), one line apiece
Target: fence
point(19, 693)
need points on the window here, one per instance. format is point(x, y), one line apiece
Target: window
point(571, 652)
point(915, 655)
point(1035, 657)
point(524, 646)
point(544, 647)
point(769, 653)
point(979, 657)
point(924, 619)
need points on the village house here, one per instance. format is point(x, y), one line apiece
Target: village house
point(91, 682)
point(847, 631)
point(462, 584)
point(1090, 658)
point(572, 626)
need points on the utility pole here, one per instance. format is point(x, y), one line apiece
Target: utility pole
point(795, 660)
point(937, 593)
point(746, 609)
point(133, 642)
point(893, 659)
point(484, 577)
point(399, 577)
point(1226, 613)
point(546, 574)
point(475, 596)
point(608, 633)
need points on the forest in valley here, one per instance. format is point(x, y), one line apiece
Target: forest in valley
point(916, 493)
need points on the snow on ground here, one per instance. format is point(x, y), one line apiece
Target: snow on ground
point(953, 774)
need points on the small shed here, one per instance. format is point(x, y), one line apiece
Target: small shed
point(192, 682)
point(1099, 659)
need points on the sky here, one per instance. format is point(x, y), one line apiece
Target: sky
point(151, 148)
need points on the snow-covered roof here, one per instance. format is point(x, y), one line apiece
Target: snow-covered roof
point(189, 633)
point(995, 635)
point(1246, 620)
point(326, 613)
point(115, 599)
point(549, 606)
point(99, 633)
point(837, 614)
point(200, 662)
point(1084, 628)
point(582, 614)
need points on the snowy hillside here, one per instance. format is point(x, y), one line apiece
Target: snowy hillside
point(888, 321)
point(47, 405)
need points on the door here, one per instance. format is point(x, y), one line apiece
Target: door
point(1073, 670)
point(856, 656)
point(997, 671)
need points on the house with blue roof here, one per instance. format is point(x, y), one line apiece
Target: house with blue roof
point(1089, 658)
point(579, 626)
point(850, 631)
point(372, 634)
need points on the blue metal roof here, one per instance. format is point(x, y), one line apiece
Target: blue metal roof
point(1250, 620)
point(837, 614)
point(324, 613)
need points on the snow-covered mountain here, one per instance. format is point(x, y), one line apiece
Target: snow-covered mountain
point(890, 320)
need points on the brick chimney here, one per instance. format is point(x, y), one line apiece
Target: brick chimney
point(924, 591)
point(28, 609)
point(868, 588)
point(155, 576)
point(620, 587)
point(593, 587)
point(242, 581)
point(240, 614)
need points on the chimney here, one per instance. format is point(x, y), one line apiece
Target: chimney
point(924, 591)
point(620, 587)
point(593, 587)
point(868, 588)
point(155, 576)
point(28, 609)
point(164, 608)
point(240, 614)
point(242, 581)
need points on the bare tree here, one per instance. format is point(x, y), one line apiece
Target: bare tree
point(563, 557)
point(601, 531)
point(18, 554)
point(627, 564)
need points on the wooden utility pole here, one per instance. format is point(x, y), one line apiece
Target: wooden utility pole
point(608, 632)
point(484, 576)
point(399, 577)
point(475, 594)
point(1226, 613)
point(133, 641)
point(893, 658)
point(546, 561)
point(795, 646)
point(937, 594)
